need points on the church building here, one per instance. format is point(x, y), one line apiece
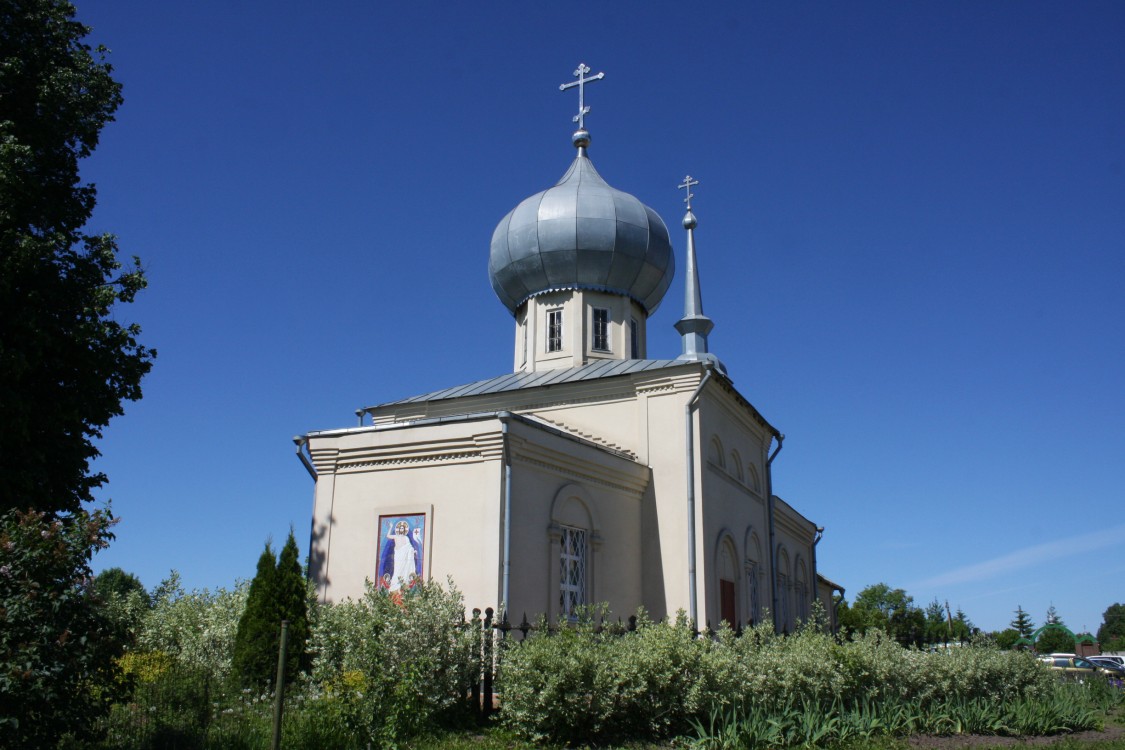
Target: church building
point(591, 473)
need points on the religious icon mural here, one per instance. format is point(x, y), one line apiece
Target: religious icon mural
point(400, 558)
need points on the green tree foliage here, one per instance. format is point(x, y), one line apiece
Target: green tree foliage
point(1006, 639)
point(293, 605)
point(259, 629)
point(124, 601)
point(66, 363)
point(909, 626)
point(278, 592)
point(880, 606)
point(1054, 640)
point(962, 626)
point(115, 582)
point(1022, 623)
point(937, 626)
point(55, 644)
point(1053, 617)
point(1111, 634)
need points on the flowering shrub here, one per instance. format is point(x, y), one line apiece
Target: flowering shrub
point(394, 664)
point(196, 629)
point(762, 689)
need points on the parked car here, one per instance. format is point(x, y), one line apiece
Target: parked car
point(1104, 662)
point(1115, 658)
point(1075, 667)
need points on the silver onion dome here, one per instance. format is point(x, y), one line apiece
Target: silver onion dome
point(581, 234)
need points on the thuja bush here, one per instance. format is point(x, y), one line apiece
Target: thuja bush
point(393, 665)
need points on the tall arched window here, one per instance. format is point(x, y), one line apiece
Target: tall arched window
point(572, 571)
point(784, 614)
point(573, 535)
point(801, 590)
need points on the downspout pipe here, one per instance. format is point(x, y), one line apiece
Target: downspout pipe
point(302, 443)
point(773, 530)
point(815, 585)
point(708, 370)
point(506, 574)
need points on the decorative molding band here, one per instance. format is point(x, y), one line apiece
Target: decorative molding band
point(392, 463)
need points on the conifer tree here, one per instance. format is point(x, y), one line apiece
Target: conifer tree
point(1022, 623)
point(259, 629)
point(1054, 639)
point(292, 605)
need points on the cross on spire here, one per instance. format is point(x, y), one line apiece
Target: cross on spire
point(583, 110)
point(687, 185)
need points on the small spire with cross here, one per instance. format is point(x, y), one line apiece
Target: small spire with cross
point(687, 185)
point(583, 110)
point(695, 325)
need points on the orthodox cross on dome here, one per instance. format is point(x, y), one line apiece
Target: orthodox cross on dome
point(583, 110)
point(687, 185)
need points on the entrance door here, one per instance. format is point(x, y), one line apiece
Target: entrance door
point(726, 601)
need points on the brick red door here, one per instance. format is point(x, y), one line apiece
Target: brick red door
point(726, 601)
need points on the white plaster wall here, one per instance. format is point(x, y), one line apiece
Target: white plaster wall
point(461, 493)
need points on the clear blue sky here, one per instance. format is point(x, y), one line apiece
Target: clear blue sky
point(912, 225)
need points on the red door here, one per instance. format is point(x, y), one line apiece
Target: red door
point(726, 601)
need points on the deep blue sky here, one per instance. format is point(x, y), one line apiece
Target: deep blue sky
point(912, 225)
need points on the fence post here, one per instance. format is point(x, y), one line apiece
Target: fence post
point(488, 634)
point(279, 692)
point(478, 661)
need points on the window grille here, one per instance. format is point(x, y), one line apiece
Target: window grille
point(572, 571)
point(554, 330)
point(601, 329)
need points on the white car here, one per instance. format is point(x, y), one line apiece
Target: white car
point(1118, 660)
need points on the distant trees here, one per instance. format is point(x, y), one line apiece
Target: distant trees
point(278, 592)
point(1054, 639)
point(1111, 634)
point(937, 627)
point(1007, 638)
point(891, 610)
point(115, 582)
point(962, 626)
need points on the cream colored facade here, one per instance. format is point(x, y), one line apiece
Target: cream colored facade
point(499, 474)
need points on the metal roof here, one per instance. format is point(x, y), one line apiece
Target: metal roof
point(515, 381)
